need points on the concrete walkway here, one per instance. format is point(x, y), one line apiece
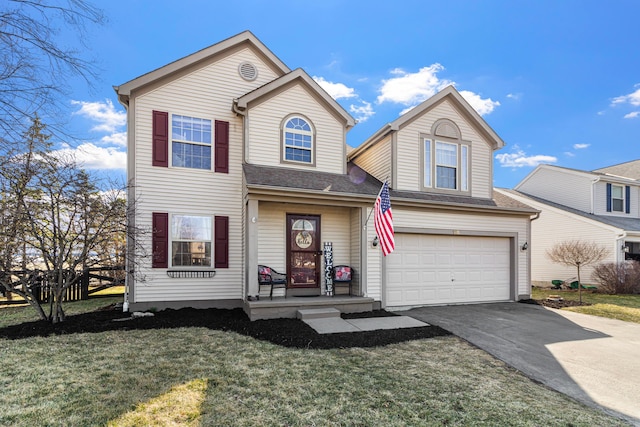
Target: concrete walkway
point(328, 321)
point(592, 359)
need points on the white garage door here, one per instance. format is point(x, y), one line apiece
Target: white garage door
point(437, 269)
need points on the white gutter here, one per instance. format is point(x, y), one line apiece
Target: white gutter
point(593, 194)
point(245, 125)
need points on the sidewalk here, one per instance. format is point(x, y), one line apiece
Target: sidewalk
point(333, 325)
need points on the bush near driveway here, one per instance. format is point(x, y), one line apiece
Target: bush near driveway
point(618, 278)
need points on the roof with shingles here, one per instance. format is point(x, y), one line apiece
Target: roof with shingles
point(628, 169)
point(357, 182)
point(628, 224)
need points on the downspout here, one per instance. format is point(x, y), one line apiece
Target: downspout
point(245, 120)
point(619, 247)
point(593, 195)
point(124, 101)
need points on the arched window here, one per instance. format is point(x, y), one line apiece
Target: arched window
point(446, 158)
point(298, 140)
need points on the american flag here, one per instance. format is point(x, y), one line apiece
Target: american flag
point(383, 220)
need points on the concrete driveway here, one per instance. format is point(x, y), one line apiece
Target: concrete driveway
point(592, 359)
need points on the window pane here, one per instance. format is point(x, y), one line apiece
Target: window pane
point(189, 227)
point(464, 166)
point(616, 191)
point(427, 163)
point(185, 254)
point(446, 177)
point(446, 154)
point(298, 155)
point(617, 205)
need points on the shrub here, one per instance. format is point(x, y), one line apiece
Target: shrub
point(623, 278)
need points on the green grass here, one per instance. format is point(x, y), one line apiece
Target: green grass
point(621, 307)
point(15, 314)
point(198, 376)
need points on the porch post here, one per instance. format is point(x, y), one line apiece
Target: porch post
point(252, 248)
point(364, 250)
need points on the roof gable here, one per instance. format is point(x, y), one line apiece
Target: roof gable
point(448, 93)
point(200, 57)
point(297, 76)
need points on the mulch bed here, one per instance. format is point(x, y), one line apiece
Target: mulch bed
point(284, 332)
point(554, 304)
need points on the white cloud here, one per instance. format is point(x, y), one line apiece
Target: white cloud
point(580, 146)
point(90, 156)
point(362, 112)
point(514, 96)
point(118, 138)
point(336, 90)
point(632, 98)
point(482, 106)
point(632, 115)
point(412, 88)
point(520, 159)
point(569, 154)
point(106, 116)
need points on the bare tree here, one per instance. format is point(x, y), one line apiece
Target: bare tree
point(34, 67)
point(577, 253)
point(54, 223)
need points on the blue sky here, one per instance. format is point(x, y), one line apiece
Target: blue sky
point(559, 81)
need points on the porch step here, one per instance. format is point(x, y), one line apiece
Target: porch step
point(318, 313)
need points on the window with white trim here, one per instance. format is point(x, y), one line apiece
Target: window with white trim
point(446, 165)
point(191, 240)
point(190, 142)
point(298, 141)
point(617, 198)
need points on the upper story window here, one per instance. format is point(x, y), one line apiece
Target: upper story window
point(190, 142)
point(298, 140)
point(191, 238)
point(445, 159)
point(617, 198)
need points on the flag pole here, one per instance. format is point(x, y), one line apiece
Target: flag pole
point(379, 192)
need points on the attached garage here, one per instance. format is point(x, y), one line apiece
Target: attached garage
point(429, 269)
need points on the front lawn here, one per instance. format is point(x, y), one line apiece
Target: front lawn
point(622, 307)
point(200, 376)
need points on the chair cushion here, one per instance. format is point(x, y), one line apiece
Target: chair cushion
point(343, 274)
point(266, 271)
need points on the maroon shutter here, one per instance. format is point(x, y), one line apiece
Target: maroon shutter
point(160, 240)
point(221, 248)
point(221, 151)
point(160, 149)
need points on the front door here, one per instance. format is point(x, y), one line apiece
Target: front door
point(303, 251)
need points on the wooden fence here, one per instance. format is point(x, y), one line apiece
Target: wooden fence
point(81, 289)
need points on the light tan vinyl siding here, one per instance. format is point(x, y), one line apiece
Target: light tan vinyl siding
point(377, 160)
point(600, 198)
point(205, 93)
point(554, 226)
point(265, 140)
point(374, 262)
point(410, 151)
point(272, 246)
point(355, 247)
point(471, 223)
point(564, 187)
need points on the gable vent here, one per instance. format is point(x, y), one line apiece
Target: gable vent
point(248, 71)
point(446, 129)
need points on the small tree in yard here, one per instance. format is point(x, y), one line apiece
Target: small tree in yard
point(54, 222)
point(577, 253)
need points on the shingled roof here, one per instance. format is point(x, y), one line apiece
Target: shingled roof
point(357, 182)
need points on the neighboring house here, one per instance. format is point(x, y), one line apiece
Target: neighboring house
point(237, 161)
point(599, 206)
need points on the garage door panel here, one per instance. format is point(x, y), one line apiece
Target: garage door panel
point(445, 269)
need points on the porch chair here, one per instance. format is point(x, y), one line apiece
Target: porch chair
point(267, 276)
point(342, 276)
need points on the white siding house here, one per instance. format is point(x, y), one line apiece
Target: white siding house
point(237, 162)
point(595, 206)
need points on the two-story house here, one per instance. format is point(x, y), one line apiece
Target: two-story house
point(598, 206)
point(236, 161)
